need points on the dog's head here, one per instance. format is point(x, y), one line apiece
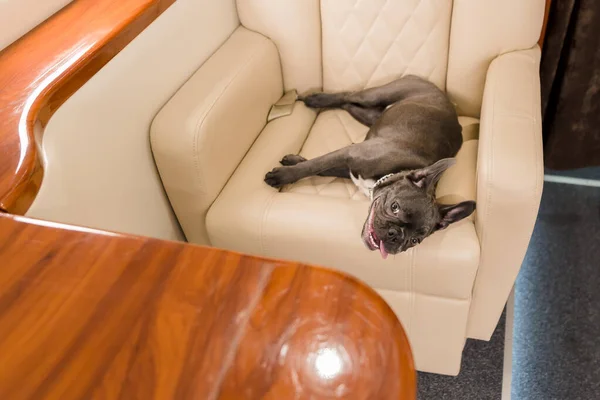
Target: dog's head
point(404, 210)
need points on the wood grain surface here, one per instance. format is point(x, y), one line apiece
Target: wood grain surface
point(92, 315)
point(44, 68)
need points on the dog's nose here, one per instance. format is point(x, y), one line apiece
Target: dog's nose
point(392, 233)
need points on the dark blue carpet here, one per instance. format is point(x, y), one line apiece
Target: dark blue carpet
point(556, 343)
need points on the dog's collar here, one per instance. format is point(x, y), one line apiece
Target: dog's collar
point(378, 183)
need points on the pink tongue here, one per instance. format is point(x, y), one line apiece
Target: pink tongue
point(384, 253)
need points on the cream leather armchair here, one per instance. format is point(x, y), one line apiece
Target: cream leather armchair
point(212, 145)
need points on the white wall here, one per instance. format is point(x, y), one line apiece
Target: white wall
point(100, 171)
point(17, 17)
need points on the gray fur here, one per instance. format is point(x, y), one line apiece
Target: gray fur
point(414, 133)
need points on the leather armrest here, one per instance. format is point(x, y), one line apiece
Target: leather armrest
point(202, 133)
point(509, 181)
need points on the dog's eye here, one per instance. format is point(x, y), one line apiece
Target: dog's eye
point(414, 241)
point(395, 208)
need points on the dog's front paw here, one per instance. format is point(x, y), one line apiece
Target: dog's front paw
point(279, 177)
point(292, 159)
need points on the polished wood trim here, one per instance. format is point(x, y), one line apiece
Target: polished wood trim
point(545, 24)
point(89, 314)
point(40, 71)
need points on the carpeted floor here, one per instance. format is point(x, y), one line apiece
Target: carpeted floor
point(556, 342)
point(480, 376)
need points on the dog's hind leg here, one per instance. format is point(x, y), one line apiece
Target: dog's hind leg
point(377, 97)
point(366, 116)
point(325, 100)
point(367, 105)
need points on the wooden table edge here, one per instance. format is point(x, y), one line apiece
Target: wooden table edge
point(54, 236)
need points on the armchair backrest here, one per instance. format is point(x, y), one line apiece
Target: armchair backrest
point(337, 45)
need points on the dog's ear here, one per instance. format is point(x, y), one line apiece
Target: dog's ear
point(453, 213)
point(428, 176)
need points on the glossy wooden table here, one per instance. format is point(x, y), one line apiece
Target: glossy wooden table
point(94, 315)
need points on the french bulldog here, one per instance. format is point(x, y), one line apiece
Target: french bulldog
point(413, 137)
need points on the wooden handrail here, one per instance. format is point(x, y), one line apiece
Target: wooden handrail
point(40, 71)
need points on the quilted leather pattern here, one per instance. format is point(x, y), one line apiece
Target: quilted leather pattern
point(371, 42)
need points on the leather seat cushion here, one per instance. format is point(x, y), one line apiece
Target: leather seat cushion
point(319, 219)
